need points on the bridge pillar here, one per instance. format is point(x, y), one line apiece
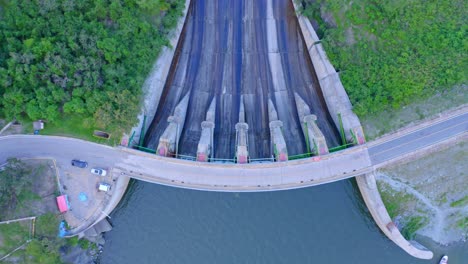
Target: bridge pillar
point(242, 128)
point(168, 142)
point(277, 138)
point(316, 139)
point(242, 153)
point(205, 145)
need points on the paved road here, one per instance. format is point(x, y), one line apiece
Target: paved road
point(233, 177)
point(388, 150)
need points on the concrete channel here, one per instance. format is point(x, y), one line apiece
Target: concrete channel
point(249, 49)
point(338, 103)
point(262, 52)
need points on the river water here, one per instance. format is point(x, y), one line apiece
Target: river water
point(323, 224)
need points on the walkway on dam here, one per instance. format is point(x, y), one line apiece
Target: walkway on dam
point(239, 177)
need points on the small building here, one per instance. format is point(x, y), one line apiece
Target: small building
point(37, 126)
point(62, 203)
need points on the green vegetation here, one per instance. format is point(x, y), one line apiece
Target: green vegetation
point(12, 236)
point(459, 203)
point(81, 61)
point(463, 224)
point(74, 125)
point(42, 251)
point(47, 225)
point(390, 53)
point(19, 199)
point(15, 185)
point(413, 225)
point(397, 205)
point(394, 201)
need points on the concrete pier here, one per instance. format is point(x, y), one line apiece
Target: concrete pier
point(242, 128)
point(368, 187)
point(277, 139)
point(154, 84)
point(170, 138)
point(335, 95)
point(312, 133)
point(205, 145)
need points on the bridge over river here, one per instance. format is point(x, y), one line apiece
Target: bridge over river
point(231, 177)
point(357, 161)
point(238, 67)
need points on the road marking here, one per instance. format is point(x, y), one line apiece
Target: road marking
point(394, 135)
point(417, 139)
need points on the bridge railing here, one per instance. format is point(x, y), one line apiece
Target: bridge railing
point(233, 160)
point(259, 160)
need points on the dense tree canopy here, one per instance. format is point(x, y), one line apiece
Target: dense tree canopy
point(87, 57)
point(391, 52)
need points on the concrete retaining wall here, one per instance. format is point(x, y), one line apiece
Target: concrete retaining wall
point(154, 84)
point(118, 192)
point(5, 127)
point(336, 98)
point(368, 187)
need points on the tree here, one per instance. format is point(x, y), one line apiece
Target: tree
point(76, 57)
point(14, 181)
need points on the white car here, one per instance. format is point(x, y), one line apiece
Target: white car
point(98, 171)
point(104, 187)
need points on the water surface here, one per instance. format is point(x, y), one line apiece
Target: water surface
point(321, 224)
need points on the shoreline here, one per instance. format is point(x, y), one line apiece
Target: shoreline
point(429, 190)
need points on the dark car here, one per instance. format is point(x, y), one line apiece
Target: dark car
point(79, 163)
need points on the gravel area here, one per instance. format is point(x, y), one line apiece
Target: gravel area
point(436, 187)
point(389, 121)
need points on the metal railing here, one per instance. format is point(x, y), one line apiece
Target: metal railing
point(257, 160)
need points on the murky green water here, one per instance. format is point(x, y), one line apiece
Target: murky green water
point(323, 224)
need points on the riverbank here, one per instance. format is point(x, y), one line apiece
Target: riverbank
point(30, 188)
point(429, 196)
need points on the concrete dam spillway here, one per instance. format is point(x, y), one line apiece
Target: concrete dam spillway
point(240, 73)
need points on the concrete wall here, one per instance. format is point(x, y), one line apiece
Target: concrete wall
point(333, 91)
point(368, 187)
point(154, 84)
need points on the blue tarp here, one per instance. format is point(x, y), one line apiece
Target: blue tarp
point(83, 197)
point(62, 229)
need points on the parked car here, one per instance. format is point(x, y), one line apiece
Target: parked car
point(99, 171)
point(104, 187)
point(79, 163)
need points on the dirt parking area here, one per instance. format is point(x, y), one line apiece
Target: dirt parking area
point(85, 199)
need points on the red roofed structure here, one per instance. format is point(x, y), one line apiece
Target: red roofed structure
point(62, 203)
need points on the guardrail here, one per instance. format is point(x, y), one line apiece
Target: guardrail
point(234, 160)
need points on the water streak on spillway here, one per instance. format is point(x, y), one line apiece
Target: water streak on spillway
point(252, 48)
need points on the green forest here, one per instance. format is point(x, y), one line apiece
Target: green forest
point(390, 53)
point(83, 60)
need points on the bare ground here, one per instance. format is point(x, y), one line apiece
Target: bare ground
point(389, 121)
point(433, 187)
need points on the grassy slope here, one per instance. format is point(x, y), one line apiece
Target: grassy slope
point(393, 53)
point(46, 225)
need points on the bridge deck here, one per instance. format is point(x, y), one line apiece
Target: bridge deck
point(236, 177)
